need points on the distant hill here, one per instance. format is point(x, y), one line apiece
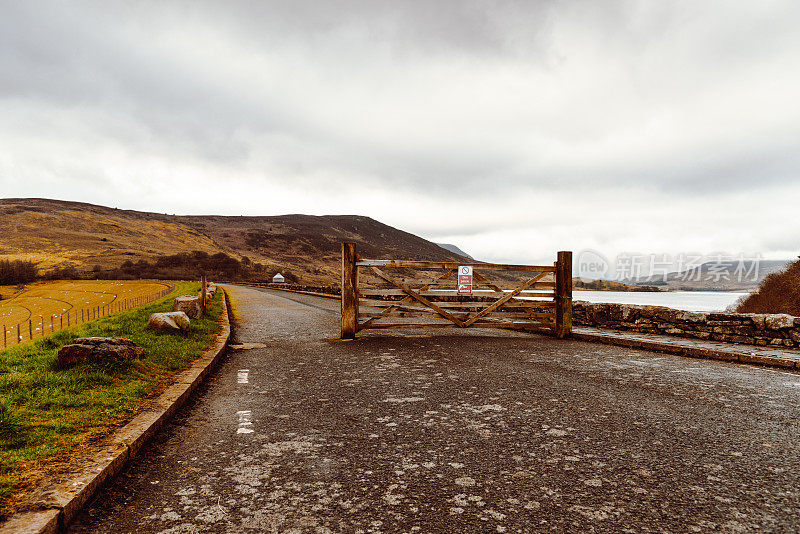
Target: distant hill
point(56, 233)
point(582, 284)
point(716, 276)
point(455, 250)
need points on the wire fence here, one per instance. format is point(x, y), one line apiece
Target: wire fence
point(32, 328)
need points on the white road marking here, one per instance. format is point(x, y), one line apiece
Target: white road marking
point(244, 422)
point(243, 376)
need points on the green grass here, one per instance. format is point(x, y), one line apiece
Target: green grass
point(46, 412)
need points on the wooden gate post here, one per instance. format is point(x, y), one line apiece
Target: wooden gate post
point(349, 291)
point(564, 294)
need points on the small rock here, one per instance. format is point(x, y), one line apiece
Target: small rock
point(98, 349)
point(692, 317)
point(626, 310)
point(169, 321)
point(778, 321)
point(188, 304)
point(759, 319)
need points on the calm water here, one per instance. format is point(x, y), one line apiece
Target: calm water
point(679, 300)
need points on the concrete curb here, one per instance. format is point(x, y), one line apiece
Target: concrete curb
point(65, 501)
point(739, 356)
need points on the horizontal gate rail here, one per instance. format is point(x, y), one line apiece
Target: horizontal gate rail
point(388, 294)
point(428, 265)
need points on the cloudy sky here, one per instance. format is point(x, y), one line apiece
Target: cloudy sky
point(510, 128)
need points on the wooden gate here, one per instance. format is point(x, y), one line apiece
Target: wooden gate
point(381, 294)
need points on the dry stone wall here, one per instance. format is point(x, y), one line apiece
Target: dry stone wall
point(747, 328)
point(327, 290)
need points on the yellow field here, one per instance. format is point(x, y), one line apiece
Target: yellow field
point(45, 303)
point(7, 291)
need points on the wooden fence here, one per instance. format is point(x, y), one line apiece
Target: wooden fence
point(32, 329)
point(389, 294)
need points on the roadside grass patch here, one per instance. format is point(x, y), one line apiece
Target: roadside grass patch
point(47, 413)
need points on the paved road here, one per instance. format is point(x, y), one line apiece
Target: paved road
point(449, 433)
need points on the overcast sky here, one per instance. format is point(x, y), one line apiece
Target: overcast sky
point(512, 129)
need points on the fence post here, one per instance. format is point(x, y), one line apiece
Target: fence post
point(52, 322)
point(349, 291)
point(564, 294)
point(19, 336)
point(203, 289)
point(30, 329)
point(5, 341)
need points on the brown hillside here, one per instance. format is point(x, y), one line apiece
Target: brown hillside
point(57, 233)
point(54, 233)
point(778, 293)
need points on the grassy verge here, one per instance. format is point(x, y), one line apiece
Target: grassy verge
point(46, 413)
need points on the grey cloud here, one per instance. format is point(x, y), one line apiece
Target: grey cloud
point(100, 56)
point(442, 100)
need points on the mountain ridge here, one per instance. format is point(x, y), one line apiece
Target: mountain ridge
point(723, 275)
point(455, 250)
point(55, 233)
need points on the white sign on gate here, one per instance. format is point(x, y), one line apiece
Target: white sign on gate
point(465, 280)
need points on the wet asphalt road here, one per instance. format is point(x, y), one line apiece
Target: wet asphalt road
point(461, 433)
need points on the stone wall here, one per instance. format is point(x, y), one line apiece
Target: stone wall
point(326, 290)
point(748, 328)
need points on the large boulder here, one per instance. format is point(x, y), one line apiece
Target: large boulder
point(188, 304)
point(98, 349)
point(169, 321)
